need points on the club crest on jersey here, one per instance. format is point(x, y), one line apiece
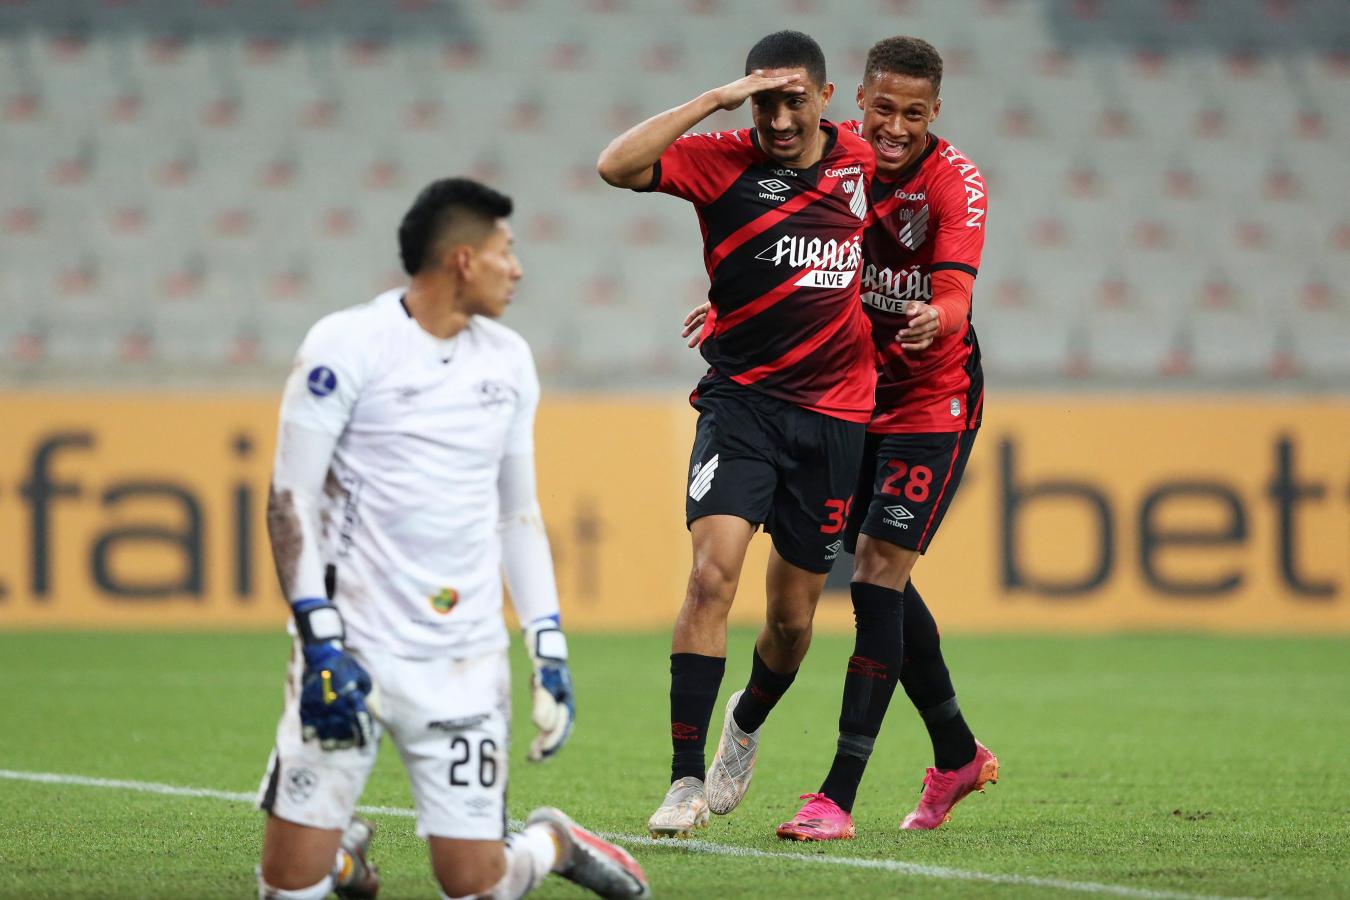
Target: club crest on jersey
point(321, 381)
point(492, 394)
point(444, 601)
point(915, 230)
point(956, 407)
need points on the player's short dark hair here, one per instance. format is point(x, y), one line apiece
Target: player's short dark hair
point(443, 205)
point(788, 50)
point(904, 55)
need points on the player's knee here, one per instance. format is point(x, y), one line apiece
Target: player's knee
point(711, 587)
point(883, 564)
point(788, 629)
point(470, 876)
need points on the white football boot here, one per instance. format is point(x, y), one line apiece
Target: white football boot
point(733, 765)
point(684, 810)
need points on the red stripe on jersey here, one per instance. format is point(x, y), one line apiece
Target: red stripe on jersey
point(763, 302)
point(768, 220)
point(797, 353)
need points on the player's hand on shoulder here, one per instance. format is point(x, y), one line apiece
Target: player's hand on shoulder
point(925, 322)
point(551, 685)
point(334, 687)
point(693, 322)
point(731, 96)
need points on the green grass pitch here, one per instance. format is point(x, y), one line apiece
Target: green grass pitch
point(1146, 766)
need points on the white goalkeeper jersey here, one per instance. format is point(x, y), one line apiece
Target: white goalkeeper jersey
point(410, 507)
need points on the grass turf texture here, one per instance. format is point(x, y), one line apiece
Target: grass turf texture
point(1189, 764)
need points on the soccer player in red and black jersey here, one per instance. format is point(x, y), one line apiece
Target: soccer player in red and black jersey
point(789, 389)
point(921, 254)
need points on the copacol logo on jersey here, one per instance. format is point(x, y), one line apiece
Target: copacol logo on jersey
point(832, 263)
point(321, 381)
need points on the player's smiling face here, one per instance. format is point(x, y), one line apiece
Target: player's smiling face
point(788, 125)
point(896, 113)
point(492, 272)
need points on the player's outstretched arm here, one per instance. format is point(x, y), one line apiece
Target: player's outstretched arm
point(334, 685)
point(628, 160)
point(528, 567)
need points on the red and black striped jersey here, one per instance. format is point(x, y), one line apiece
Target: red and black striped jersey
point(783, 249)
point(931, 217)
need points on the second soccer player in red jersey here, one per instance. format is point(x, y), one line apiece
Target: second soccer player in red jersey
point(921, 254)
point(789, 390)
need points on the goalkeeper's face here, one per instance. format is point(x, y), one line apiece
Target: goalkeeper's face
point(788, 125)
point(491, 272)
point(896, 112)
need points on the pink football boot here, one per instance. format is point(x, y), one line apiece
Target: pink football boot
point(820, 819)
point(943, 790)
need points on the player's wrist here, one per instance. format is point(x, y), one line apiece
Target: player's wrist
point(545, 641)
point(319, 623)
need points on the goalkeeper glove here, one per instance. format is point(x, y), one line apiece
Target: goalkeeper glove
point(554, 704)
point(334, 687)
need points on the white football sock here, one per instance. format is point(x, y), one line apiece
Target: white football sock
point(530, 856)
point(313, 892)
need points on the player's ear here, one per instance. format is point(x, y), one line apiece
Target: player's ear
point(937, 108)
point(826, 93)
point(862, 95)
point(461, 257)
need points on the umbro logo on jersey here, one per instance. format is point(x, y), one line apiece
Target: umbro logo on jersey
point(915, 230)
point(702, 479)
point(774, 189)
point(833, 549)
point(897, 516)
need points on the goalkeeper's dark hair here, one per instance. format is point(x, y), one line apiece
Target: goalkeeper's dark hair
point(904, 55)
point(459, 205)
point(788, 50)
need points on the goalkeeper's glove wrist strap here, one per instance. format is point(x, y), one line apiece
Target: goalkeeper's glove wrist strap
point(318, 621)
point(545, 641)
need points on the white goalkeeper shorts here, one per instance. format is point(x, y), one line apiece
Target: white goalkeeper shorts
point(449, 719)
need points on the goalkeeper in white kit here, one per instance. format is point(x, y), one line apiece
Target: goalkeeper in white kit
point(403, 489)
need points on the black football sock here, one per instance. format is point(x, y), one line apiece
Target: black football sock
point(694, 680)
point(929, 686)
point(762, 693)
point(878, 652)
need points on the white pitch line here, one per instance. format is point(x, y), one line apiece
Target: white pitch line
point(688, 846)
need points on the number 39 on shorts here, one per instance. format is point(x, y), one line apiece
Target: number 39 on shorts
point(836, 515)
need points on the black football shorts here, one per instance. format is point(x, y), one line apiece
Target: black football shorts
point(773, 463)
point(908, 481)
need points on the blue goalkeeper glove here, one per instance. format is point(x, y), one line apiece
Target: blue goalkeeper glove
point(554, 703)
point(334, 687)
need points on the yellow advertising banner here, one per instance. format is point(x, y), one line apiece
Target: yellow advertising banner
point(1080, 513)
